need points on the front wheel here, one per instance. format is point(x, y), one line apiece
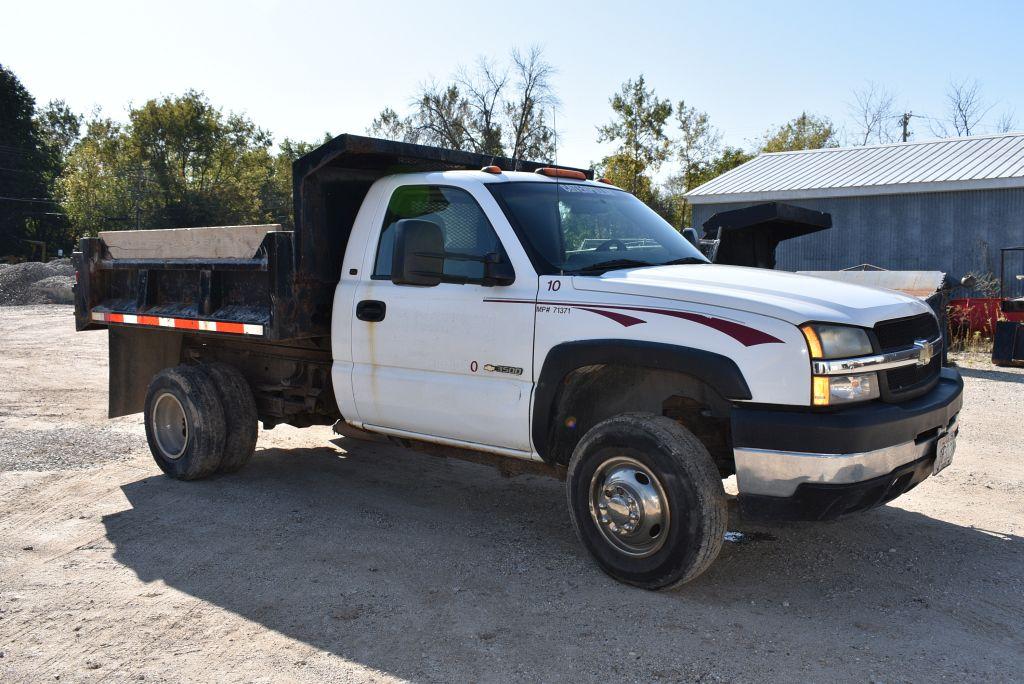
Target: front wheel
point(646, 500)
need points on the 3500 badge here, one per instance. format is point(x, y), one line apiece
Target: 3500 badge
point(494, 368)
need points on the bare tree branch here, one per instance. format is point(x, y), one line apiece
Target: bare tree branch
point(874, 111)
point(483, 90)
point(530, 136)
point(965, 106)
point(1007, 122)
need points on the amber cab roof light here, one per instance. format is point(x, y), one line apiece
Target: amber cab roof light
point(555, 172)
point(605, 181)
point(491, 169)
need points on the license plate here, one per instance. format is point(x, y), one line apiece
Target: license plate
point(944, 450)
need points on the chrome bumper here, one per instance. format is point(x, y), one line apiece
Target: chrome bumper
point(778, 473)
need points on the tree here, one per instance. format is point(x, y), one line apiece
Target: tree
point(728, 159)
point(491, 109)
point(390, 126)
point(24, 166)
point(874, 111)
point(529, 136)
point(1006, 123)
point(639, 130)
point(276, 195)
point(676, 209)
point(59, 129)
point(965, 107)
point(178, 162)
point(805, 132)
point(696, 147)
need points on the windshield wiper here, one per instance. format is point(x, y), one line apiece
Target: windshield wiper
point(612, 264)
point(684, 260)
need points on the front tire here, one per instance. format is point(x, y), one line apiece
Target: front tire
point(185, 424)
point(646, 500)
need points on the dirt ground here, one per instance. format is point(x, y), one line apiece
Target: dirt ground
point(326, 559)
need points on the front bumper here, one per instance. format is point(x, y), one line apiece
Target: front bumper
point(807, 465)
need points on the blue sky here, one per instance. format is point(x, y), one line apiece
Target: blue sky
point(299, 68)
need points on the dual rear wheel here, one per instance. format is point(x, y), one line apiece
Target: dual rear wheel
point(200, 420)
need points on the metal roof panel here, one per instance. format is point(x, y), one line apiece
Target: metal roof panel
point(955, 163)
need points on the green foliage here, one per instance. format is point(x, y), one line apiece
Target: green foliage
point(59, 129)
point(805, 132)
point(638, 128)
point(178, 162)
point(25, 169)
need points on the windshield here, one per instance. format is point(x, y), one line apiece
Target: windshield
point(582, 229)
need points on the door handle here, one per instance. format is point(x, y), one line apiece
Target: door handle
point(371, 310)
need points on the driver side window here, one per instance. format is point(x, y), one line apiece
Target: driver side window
point(463, 224)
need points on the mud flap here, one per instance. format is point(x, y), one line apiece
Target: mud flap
point(136, 355)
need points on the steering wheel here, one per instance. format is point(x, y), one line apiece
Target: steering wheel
point(607, 245)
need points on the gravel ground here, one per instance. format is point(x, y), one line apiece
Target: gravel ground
point(330, 560)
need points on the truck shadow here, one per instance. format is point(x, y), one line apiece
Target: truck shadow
point(997, 375)
point(431, 569)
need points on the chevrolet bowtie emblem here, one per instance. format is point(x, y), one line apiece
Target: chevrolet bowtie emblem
point(926, 350)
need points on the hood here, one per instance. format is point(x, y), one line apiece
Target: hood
point(793, 298)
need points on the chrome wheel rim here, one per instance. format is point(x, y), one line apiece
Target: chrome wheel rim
point(169, 426)
point(629, 506)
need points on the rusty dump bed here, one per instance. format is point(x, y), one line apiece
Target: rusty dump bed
point(253, 282)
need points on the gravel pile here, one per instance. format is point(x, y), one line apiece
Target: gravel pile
point(36, 283)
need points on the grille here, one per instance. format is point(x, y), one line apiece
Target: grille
point(900, 333)
point(910, 377)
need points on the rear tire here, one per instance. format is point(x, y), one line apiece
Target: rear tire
point(185, 422)
point(646, 500)
point(241, 419)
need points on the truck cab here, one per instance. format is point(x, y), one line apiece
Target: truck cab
point(541, 320)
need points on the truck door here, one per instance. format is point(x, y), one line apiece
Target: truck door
point(442, 361)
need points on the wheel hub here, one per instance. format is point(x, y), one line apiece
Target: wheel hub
point(170, 426)
point(629, 506)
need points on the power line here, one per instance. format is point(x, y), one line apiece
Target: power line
point(30, 199)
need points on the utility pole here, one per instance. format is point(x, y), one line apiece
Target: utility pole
point(905, 120)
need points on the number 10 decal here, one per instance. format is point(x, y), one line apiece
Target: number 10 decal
point(554, 285)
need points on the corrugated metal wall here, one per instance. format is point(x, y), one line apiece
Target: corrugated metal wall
point(956, 232)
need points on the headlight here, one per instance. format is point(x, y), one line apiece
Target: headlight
point(839, 342)
point(830, 390)
point(836, 341)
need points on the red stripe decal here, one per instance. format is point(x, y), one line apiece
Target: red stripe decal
point(115, 318)
point(743, 334)
point(148, 320)
point(186, 323)
point(620, 318)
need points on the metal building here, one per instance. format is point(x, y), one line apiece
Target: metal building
point(946, 205)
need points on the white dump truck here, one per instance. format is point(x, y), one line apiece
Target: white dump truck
point(532, 317)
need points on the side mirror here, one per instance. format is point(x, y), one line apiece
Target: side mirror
point(418, 256)
point(691, 235)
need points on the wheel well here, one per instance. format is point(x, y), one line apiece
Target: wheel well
point(591, 394)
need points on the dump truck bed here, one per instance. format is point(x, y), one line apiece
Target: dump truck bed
point(216, 280)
